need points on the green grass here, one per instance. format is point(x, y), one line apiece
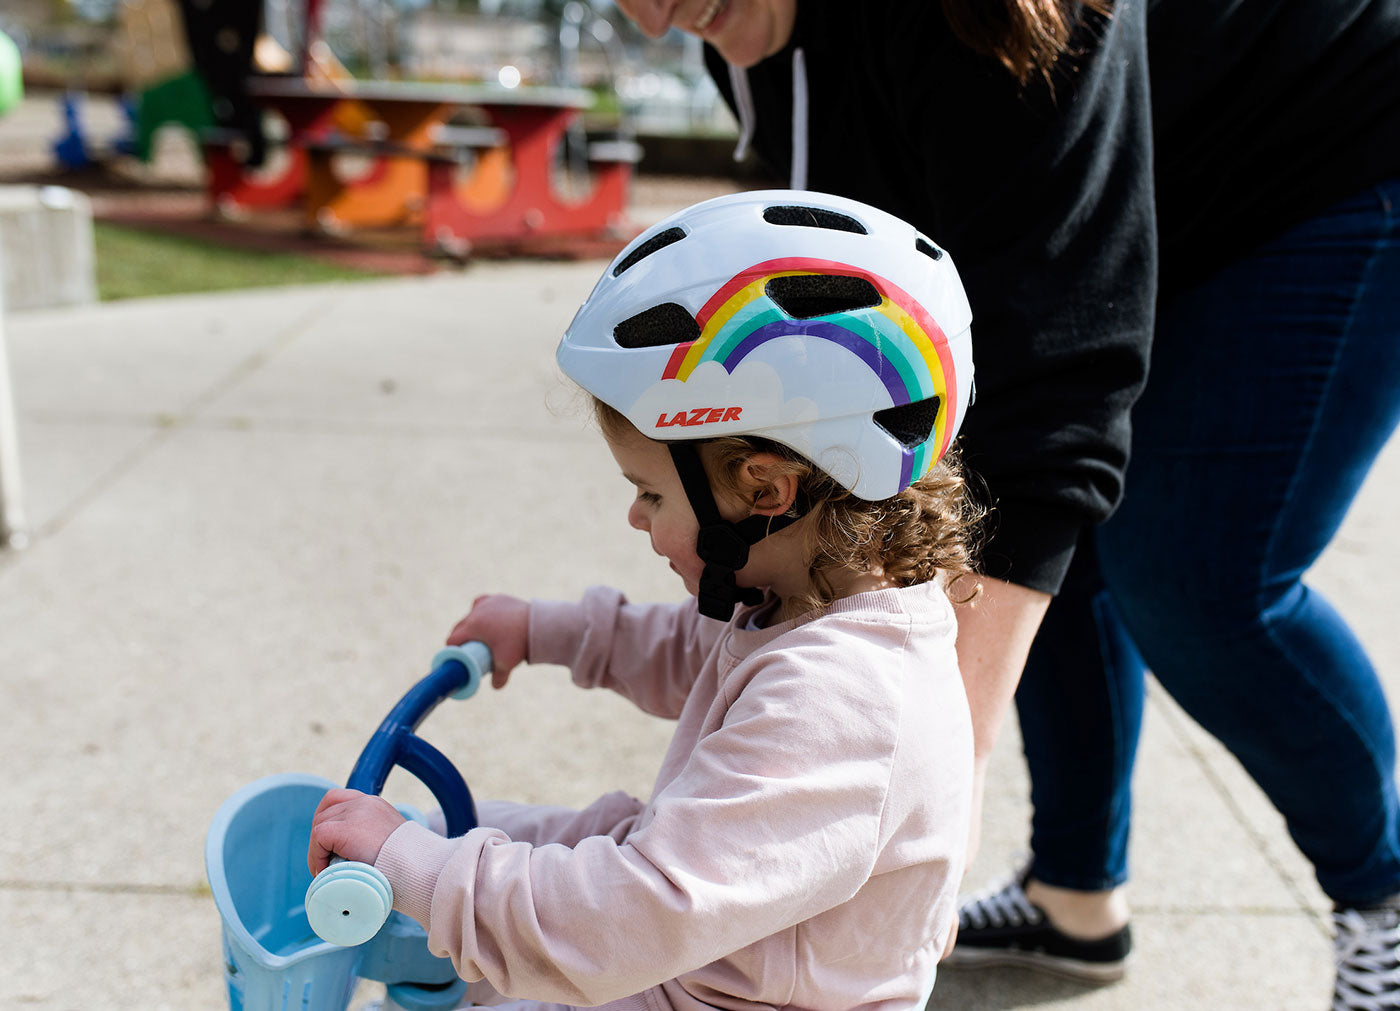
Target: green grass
point(132, 263)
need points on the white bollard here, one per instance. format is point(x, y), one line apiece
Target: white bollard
point(46, 237)
point(12, 530)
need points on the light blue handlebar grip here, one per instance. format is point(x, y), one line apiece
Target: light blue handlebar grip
point(474, 656)
point(348, 903)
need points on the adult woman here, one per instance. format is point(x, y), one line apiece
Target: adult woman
point(1224, 176)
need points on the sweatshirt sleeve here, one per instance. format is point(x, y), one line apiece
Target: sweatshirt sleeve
point(760, 831)
point(613, 814)
point(1053, 230)
point(648, 653)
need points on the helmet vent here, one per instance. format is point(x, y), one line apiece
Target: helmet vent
point(803, 296)
point(812, 217)
point(928, 249)
point(658, 241)
point(910, 424)
point(660, 326)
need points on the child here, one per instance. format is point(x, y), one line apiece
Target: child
point(771, 372)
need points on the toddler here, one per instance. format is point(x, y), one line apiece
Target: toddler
point(780, 375)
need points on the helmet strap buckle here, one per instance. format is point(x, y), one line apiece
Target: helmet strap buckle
point(719, 592)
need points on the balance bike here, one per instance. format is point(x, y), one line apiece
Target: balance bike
point(296, 944)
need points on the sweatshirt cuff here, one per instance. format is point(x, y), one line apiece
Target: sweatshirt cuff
point(412, 858)
point(1031, 544)
point(556, 629)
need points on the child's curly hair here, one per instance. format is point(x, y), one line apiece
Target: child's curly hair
point(926, 530)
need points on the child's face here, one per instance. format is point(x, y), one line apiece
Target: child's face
point(661, 508)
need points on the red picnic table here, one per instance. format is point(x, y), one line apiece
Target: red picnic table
point(416, 160)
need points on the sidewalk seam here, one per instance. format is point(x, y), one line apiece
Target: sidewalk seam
point(166, 426)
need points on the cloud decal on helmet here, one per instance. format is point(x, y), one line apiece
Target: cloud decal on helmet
point(750, 397)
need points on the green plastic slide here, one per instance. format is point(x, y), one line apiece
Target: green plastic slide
point(11, 79)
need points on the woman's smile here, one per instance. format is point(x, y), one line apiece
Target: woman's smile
point(707, 16)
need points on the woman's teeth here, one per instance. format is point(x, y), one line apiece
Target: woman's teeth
point(708, 15)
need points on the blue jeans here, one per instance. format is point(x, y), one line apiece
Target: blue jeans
point(1274, 385)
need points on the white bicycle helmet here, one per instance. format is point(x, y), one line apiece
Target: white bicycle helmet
point(818, 322)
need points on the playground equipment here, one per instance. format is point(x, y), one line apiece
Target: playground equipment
point(293, 942)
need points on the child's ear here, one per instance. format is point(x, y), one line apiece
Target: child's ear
point(775, 490)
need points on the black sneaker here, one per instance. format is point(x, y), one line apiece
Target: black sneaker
point(1003, 927)
point(1368, 959)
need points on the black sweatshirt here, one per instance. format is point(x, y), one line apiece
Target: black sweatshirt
point(1261, 113)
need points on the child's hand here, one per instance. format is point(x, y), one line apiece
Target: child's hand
point(503, 624)
point(352, 825)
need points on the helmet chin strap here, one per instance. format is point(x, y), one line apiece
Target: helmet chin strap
point(723, 546)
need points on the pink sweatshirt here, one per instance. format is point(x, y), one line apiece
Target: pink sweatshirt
point(803, 844)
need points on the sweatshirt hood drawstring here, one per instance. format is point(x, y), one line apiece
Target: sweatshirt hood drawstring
point(798, 176)
point(743, 102)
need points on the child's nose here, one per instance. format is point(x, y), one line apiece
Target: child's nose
point(637, 517)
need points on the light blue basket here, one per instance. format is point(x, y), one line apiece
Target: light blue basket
point(255, 856)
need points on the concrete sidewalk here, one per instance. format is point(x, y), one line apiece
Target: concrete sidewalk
point(256, 515)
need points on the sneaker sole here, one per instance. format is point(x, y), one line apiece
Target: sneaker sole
point(1068, 968)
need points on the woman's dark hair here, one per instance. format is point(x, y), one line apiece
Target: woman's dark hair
point(1026, 36)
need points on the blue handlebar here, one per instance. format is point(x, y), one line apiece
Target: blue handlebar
point(349, 903)
point(457, 672)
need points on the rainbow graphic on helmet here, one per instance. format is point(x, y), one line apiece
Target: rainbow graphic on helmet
point(897, 340)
